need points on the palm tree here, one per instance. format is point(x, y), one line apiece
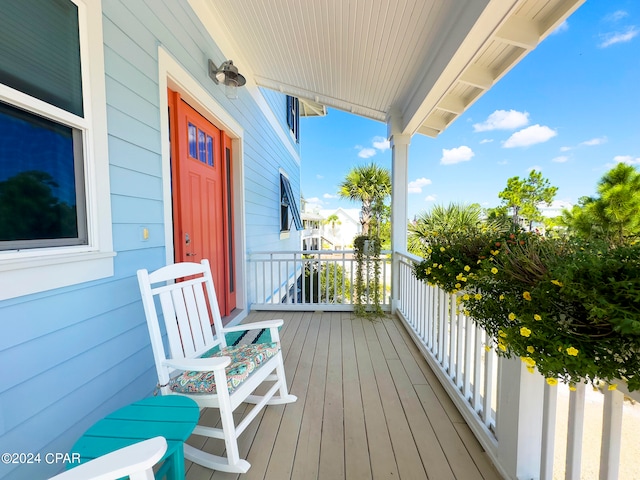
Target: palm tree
point(369, 184)
point(332, 220)
point(447, 223)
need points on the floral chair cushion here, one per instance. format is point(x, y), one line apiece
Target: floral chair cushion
point(244, 360)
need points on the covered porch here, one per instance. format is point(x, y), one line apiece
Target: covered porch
point(369, 406)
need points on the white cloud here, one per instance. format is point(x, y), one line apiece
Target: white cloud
point(563, 27)
point(530, 136)
point(628, 159)
point(456, 155)
point(320, 177)
point(416, 185)
point(560, 159)
point(503, 120)
point(430, 198)
point(616, 16)
point(381, 143)
point(612, 38)
point(565, 149)
point(594, 141)
point(366, 152)
point(486, 140)
point(329, 196)
point(313, 200)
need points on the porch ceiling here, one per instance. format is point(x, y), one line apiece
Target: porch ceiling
point(423, 62)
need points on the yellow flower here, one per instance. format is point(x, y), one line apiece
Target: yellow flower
point(573, 387)
point(494, 270)
point(466, 296)
point(530, 362)
point(466, 312)
point(459, 276)
point(525, 332)
point(487, 348)
point(572, 351)
point(479, 262)
point(467, 268)
point(613, 386)
point(494, 252)
point(530, 349)
point(557, 282)
point(501, 297)
point(527, 296)
point(537, 317)
point(458, 285)
point(502, 334)
point(439, 266)
point(512, 316)
point(429, 251)
point(452, 259)
point(464, 279)
point(531, 369)
point(477, 296)
point(552, 381)
point(442, 249)
point(502, 347)
point(435, 265)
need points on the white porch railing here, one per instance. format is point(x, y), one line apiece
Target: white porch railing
point(310, 280)
point(512, 412)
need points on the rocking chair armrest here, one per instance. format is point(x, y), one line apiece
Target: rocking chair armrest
point(198, 364)
point(255, 325)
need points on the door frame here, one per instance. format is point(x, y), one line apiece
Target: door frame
point(173, 76)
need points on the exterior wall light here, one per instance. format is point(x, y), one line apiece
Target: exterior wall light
point(227, 74)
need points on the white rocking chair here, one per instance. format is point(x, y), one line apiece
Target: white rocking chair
point(135, 462)
point(222, 378)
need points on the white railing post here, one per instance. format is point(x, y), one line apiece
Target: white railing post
point(519, 420)
point(611, 435)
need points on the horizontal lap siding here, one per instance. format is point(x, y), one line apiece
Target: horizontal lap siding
point(73, 355)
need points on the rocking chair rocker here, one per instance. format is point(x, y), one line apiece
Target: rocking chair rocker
point(201, 365)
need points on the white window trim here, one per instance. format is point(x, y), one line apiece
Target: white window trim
point(28, 271)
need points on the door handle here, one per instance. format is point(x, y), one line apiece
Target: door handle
point(191, 254)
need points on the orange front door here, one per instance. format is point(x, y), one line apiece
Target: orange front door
point(201, 179)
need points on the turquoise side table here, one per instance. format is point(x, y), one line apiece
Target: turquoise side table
point(172, 417)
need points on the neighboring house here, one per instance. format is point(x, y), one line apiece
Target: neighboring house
point(118, 151)
point(342, 233)
point(311, 236)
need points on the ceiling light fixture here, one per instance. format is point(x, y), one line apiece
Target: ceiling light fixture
point(227, 74)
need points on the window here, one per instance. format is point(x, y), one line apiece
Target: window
point(293, 116)
point(288, 207)
point(55, 218)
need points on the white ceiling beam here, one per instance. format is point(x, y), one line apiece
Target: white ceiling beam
point(429, 132)
point(478, 76)
point(519, 32)
point(452, 104)
point(435, 122)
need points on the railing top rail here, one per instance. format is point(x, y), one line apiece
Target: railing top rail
point(310, 252)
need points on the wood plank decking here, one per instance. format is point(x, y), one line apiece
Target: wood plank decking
point(369, 407)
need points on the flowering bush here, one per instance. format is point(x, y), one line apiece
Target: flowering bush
point(569, 309)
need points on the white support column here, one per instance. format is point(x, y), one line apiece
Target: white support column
point(399, 186)
point(519, 421)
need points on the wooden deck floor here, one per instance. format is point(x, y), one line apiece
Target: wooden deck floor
point(369, 407)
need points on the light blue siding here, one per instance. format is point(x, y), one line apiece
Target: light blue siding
point(72, 355)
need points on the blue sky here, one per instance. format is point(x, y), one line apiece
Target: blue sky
point(571, 109)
